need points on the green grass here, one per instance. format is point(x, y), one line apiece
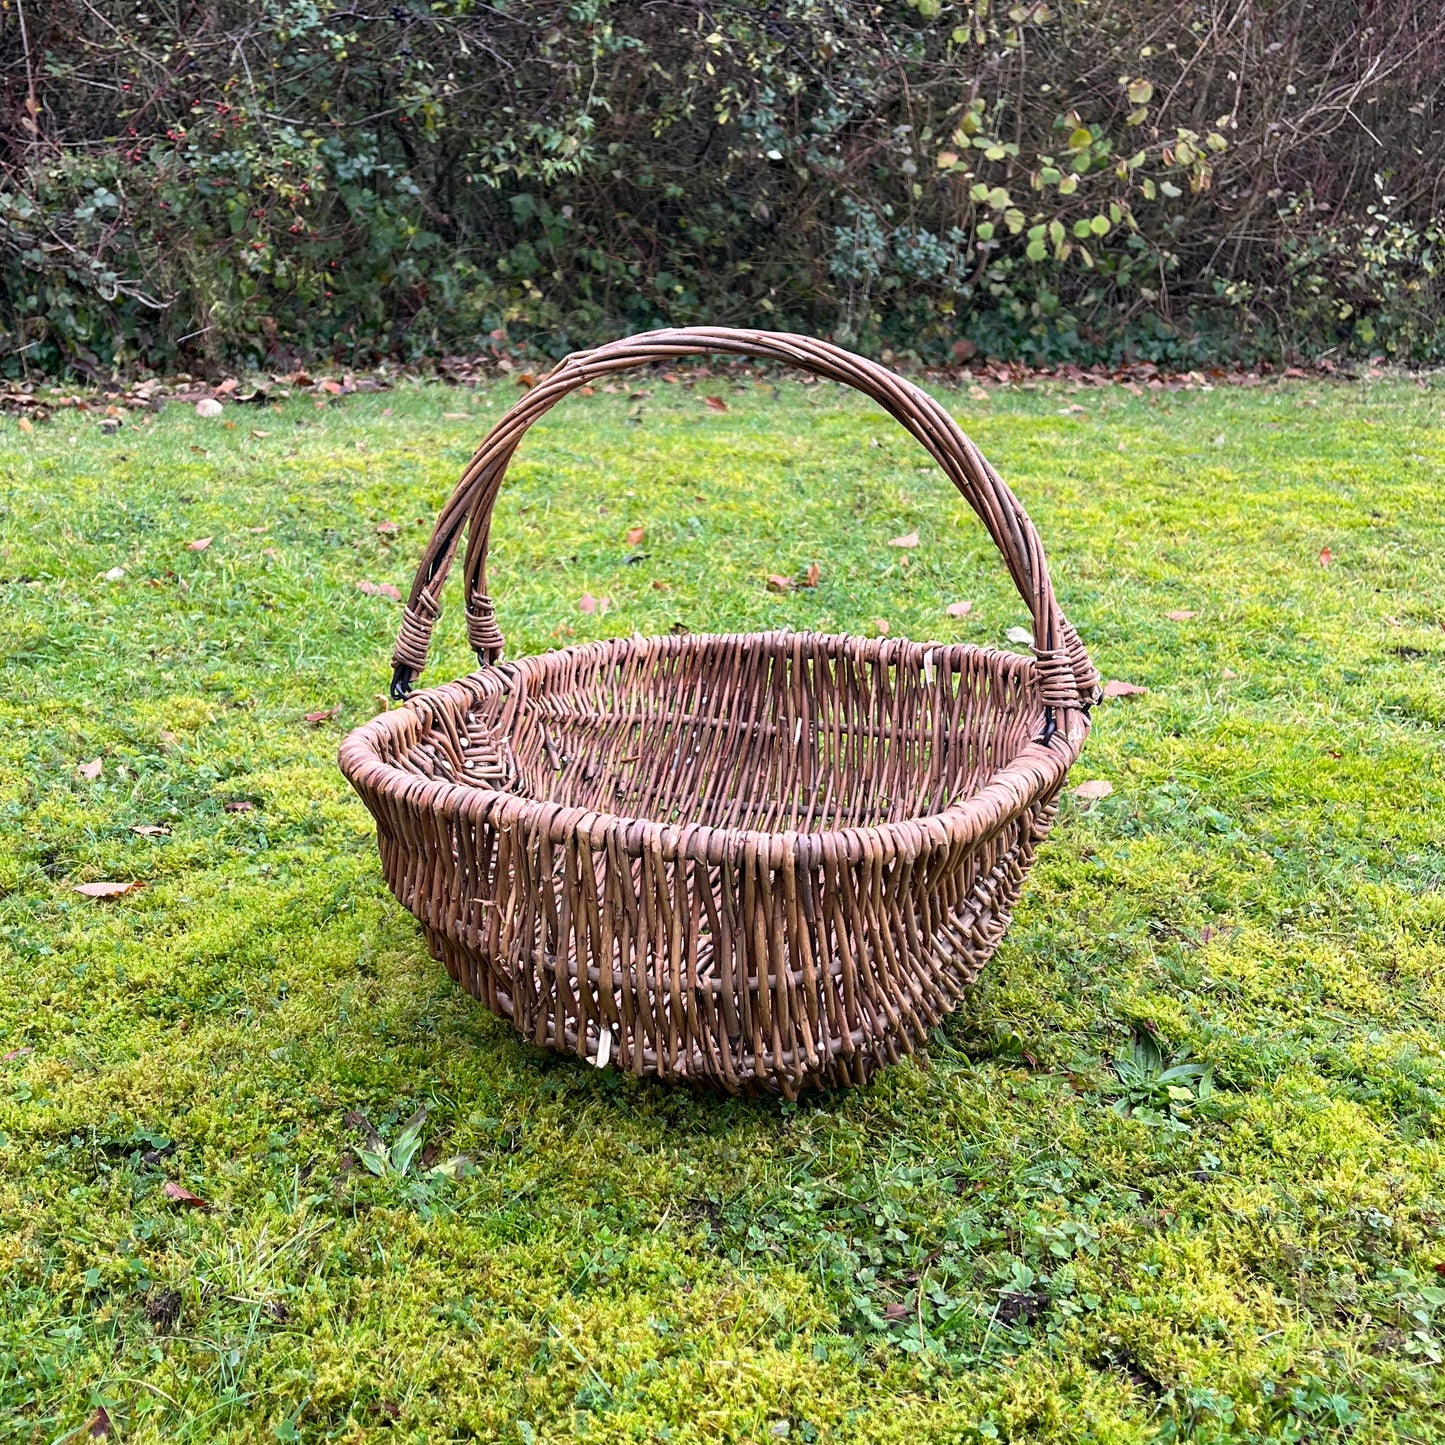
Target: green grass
point(1026, 1237)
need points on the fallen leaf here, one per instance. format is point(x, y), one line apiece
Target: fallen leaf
point(1229, 674)
point(1183, 615)
point(896, 1311)
point(240, 805)
point(316, 718)
point(658, 585)
point(331, 388)
point(98, 1427)
point(179, 1194)
point(17, 1054)
point(106, 889)
point(1326, 557)
point(635, 535)
point(208, 406)
point(1219, 440)
point(200, 544)
point(1020, 635)
point(456, 416)
point(388, 529)
point(880, 626)
point(200, 451)
point(1115, 688)
point(116, 574)
point(370, 588)
point(151, 830)
point(527, 379)
point(979, 394)
point(813, 575)
point(778, 583)
point(387, 589)
point(90, 771)
point(258, 433)
point(1070, 410)
point(228, 386)
point(908, 539)
point(1206, 934)
point(26, 425)
point(959, 609)
point(589, 604)
point(714, 403)
point(1093, 790)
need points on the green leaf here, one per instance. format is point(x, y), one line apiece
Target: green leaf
point(995, 153)
point(1049, 175)
point(1056, 232)
point(406, 1144)
point(1083, 230)
point(1170, 190)
point(998, 198)
point(1036, 250)
point(1141, 92)
point(1099, 225)
point(984, 231)
point(1068, 185)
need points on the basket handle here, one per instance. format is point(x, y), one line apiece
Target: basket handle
point(1068, 679)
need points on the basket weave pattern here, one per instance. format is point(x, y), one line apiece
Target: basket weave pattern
point(759, 862)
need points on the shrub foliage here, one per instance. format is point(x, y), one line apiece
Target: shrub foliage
point(188, 183)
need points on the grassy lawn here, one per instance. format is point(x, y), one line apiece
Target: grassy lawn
point(1032, 1235)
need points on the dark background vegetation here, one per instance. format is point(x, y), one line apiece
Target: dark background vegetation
point(202, 183)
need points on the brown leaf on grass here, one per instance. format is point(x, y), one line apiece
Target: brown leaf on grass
point(317, 718)
point(90, 771)
point(98, 1426)
point(812, 576)
point(199, 451)
point(896, 1311)
point(258, 433)
point(23, 1053)
point(589, 604)
point(908, 539)
point(778, 583)
point(658, 585)
point(526, 379)
point(240, 805)
point(1326, 557)
point(1206, 934)
point(151, 830)
point(25, 424)
point(714, 403)
point(200, 544)
point(456, 416)
point(179, 1194)
point(1182, 615)
point(979, 394)
point(387, 529)
point(379, 589)
point(331, 388)
point(208, 406)
point(636, 535)
point(880, 626)
point(959, 609)
point(107, 889)
point(388, 590)
point(1115, 688)
point(1093, 790)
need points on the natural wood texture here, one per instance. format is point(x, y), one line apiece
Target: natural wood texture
point(761, 862)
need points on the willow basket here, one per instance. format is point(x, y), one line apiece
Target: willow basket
point(760, 862)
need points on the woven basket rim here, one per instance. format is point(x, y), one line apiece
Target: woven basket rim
point(1035, 769)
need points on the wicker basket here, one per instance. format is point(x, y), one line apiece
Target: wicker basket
point(758, 862)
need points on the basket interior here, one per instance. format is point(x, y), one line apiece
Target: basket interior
point(774, 732)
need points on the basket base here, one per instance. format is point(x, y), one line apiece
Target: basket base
point(952, 958)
